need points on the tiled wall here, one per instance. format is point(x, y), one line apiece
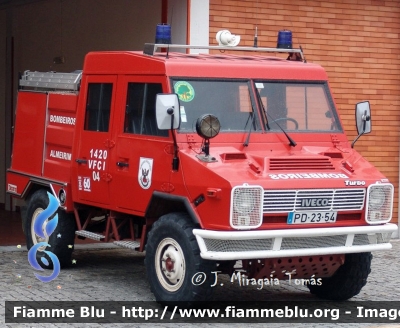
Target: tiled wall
point(357, 41)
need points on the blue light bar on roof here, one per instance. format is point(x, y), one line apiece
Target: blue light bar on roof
point(284, 39)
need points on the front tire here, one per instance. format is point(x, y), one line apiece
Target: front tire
point(175, 270)
point(61, 241)
point(347, 281)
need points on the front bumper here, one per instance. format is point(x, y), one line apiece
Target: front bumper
point(261, 244)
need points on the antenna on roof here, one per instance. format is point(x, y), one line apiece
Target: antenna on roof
point(256, 32)
point(255, 39)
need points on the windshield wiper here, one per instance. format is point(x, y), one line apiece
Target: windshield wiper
point(291, 141)
point(246, 143)
point(263, 108)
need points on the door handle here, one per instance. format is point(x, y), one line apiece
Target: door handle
point(81, 161)
point(122, 164)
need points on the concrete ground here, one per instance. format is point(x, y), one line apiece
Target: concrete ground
point(102, 272)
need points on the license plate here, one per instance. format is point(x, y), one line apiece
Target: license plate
point(311, 217)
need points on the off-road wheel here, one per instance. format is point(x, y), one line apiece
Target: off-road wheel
point(175, 270)
point(347, 281)
point(61, 240)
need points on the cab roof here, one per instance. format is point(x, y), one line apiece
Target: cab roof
point(222, 65)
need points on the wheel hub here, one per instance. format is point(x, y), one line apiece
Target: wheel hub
point(170, 264)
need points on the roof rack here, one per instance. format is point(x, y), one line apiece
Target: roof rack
point(51, 80)
point(151, 48)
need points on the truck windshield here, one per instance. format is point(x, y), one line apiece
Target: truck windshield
point(229, 100)
point(299, 107)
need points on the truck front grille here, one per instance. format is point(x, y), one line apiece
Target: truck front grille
point(279, 201)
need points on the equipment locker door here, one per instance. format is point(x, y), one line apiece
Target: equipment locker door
point(141, 162)
point(95, 143)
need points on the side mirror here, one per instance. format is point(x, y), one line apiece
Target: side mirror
point(167, 104)
point(363, 119)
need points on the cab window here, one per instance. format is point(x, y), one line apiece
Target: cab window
point(300, 107)
point(140, 115)
point(229, 100)
point(98, 105)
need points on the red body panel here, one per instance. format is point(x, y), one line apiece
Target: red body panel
point(44, 131)
point(29, 133)
point(59, 134)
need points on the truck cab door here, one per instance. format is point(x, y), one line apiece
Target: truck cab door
point(141, 161)
point(94, 140)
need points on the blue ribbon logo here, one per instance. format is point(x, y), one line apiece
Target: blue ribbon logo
point(49, 229)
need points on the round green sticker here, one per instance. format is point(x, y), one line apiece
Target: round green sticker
point(184, 90)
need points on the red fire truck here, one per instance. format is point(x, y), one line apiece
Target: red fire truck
point(209, 163)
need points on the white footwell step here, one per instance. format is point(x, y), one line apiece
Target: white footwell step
point(132, 244)
point(90, 235)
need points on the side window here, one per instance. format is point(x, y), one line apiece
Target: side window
point(140, 115)
point(98, 107)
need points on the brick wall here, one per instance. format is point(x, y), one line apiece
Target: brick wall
point(357, 41)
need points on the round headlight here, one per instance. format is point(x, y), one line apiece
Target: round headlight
point(208, 126)
point(377, 198)
point(244, 201)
